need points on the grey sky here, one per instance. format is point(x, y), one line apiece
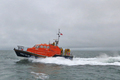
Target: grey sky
point(84, 23)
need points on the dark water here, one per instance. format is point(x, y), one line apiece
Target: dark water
point(87, 65)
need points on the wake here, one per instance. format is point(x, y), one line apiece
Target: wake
point(99, 60)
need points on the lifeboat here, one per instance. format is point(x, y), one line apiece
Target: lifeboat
point(44, 50)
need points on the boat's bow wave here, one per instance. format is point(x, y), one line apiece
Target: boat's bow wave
point(101, 60)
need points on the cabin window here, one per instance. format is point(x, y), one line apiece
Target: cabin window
point(34, 45)
point(44, 46)
point(41, 46)
point(48, 47)
point(37, 46)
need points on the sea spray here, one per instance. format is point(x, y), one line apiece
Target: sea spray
point(99, 60)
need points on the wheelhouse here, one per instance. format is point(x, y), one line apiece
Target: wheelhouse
point(38, 46)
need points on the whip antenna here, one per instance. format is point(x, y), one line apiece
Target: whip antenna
point(59, 33)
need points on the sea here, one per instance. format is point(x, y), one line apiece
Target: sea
point(87, 64)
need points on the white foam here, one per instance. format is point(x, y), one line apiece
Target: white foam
point(99, 60)
point(40, 75)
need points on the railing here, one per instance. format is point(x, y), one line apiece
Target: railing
point(22, 48)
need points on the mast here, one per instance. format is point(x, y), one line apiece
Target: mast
point(59, 33)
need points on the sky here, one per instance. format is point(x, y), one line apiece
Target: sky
point(83, 23)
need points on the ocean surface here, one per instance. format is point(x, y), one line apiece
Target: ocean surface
point(87, 65)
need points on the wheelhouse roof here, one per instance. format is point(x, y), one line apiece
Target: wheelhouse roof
point(42, 45)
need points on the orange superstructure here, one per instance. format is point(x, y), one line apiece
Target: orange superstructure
point(48, 50)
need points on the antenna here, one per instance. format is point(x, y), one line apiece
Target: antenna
point(59, 33)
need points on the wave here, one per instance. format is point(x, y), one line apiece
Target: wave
point(103, 59)
point(41, 76)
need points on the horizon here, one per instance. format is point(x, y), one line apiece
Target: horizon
point(84, 48)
